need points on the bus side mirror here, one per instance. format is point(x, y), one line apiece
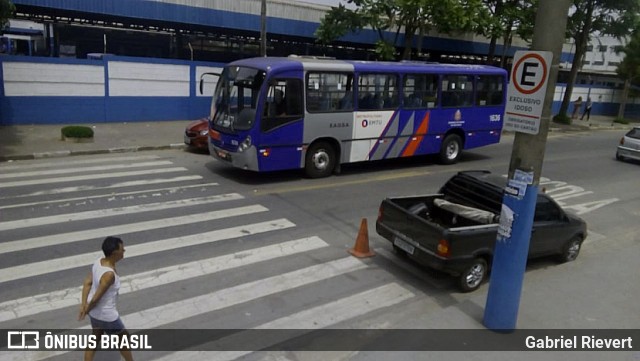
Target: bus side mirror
point(202, 80)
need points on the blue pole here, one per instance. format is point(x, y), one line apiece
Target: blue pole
point(510, 260)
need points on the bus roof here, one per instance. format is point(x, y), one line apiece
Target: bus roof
point(278, 64)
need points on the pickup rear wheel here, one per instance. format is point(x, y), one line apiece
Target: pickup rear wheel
point(571, 250)
point(450, 149)
point(472, 277)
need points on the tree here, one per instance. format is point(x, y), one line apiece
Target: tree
point(629, 68)
point(6, 11)
point(507, 18)
point(608, 17)
point(413, 17)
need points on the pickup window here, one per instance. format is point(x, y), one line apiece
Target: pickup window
point(546, 211)
point(467, 191)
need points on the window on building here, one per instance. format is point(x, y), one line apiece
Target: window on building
point(602, 48)
point(589, 47)
point(597, 63)
point(377, 91)
point(614, 63)
point(457, 90)
point(420, 91)
point(329, 92)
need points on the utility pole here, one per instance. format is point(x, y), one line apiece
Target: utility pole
point(263, 28)
point(511, 250)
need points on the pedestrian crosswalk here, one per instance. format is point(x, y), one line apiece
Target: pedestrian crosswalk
point(197, 256)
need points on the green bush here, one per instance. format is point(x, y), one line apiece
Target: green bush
point(77, 131)
point(562, 119)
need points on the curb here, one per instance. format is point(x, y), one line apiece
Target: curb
point(67, 153)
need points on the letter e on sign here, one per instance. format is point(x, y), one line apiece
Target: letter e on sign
point(526, 92)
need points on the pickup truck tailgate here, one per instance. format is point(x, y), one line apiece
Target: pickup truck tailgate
point(403, 218)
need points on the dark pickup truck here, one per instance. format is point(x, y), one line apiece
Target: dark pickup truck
point(455, 231)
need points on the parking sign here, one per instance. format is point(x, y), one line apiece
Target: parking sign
point(526, 91)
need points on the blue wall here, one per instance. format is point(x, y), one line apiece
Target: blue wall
point(60, 108)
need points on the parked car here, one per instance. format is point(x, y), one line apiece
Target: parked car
point(456, 229)
point(196, 135)
point(629, 145)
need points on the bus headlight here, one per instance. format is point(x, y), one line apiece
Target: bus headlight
point(245, 144)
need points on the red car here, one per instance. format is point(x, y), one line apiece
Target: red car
point(196, 134)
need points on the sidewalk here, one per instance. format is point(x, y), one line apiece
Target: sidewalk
point(19, 142)
point(42, 141)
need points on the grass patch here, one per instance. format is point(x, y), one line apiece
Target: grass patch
point(621, 121)
point(77, 131)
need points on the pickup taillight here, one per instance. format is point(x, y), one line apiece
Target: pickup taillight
point(622, 141)
point(443, 248)
point(380, 214)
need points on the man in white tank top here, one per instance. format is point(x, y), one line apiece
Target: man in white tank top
point(100, 295)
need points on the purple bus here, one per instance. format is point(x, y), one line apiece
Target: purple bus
point(312, 113)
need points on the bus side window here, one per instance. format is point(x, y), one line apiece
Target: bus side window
point(329, 92)
point(489, 90)
point(457, 90)
point(377, 91)
point(420, 91)
point(283, 103)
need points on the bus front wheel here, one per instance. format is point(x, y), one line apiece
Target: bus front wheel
point(320, 160)
point(451, 149)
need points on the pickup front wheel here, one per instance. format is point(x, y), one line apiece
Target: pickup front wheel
point(472, 277)
point(571, 250)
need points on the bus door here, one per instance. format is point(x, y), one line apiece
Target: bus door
point(281, 125)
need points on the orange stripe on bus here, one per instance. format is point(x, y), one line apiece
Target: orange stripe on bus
point(415, 141)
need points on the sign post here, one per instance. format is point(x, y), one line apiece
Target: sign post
point(526, 99)
point(528, 113)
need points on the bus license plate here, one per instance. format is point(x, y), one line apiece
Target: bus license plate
point(403, 245)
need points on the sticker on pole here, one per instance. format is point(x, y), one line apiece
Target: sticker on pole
point(526, 92)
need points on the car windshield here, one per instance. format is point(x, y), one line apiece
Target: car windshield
point(236, 97)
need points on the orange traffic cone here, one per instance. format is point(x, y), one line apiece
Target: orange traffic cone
point(361, 250)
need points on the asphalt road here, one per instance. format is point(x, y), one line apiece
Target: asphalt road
point(213, 247)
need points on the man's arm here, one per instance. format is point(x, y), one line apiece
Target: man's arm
point(106, 281)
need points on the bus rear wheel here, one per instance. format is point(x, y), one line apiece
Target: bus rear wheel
point(451, 149)
point(320, 160)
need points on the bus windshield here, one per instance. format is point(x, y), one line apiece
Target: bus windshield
point(236, 97)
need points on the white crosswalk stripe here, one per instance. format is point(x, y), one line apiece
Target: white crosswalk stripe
point(111, 195)
point(64, 263)
point(72, 162)
point(58, 239)
point(83, 169)
point(32, 305)
point(296, 265)
point(22, 183)
point(314, 318)
point(119, 185)
point(101, 213)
